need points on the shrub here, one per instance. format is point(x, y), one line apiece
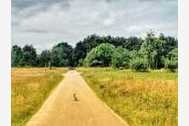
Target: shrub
point(100, 56)
point(138, 62)
point(120, 58)
point(171, 65)
point(90, 57)
point(171, 61)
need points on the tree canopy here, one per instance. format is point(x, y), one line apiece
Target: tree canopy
point(29, 56)
point(16, 56)
point(153, 52)
point(120, 58)
point(61, 55)
point(100, 56)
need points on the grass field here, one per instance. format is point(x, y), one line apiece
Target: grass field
point(30, 87)
point(142, 99)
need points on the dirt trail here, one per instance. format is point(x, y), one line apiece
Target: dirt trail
point(73, 103)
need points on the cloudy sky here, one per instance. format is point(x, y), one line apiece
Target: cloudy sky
point(44, 23)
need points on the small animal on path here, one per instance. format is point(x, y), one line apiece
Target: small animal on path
point(75, 97)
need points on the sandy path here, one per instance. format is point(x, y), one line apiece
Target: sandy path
point(60, 109)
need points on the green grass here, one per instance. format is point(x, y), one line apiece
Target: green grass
point(30, 87)
point(142, 99)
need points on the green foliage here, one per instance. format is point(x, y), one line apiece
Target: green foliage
point(133, 43)
point(155, 52)
point(29, 56)
point(87, 44)
point(138, 61)
point(149, 51)
point(16, 56)
point(88, 61)
point(100, 56)
point(156, 48)
point(79, 53)
point(61, 55)
point(171, 61)
point(120, 58)
point(25, 56)
point(139, 64)
point(44, 58)
point(104, 53)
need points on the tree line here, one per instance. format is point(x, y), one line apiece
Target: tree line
point(151, 52)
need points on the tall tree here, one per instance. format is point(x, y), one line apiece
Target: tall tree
point(133, 43)
point(152, 50)
point(61, 55)
point(171, 60)
point(16, 56)
point(44, 58)
point(100, 56)
point(79, 53)
point(29, 56)
point(120, 58)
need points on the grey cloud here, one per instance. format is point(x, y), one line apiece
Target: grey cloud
point(44, 24)
point(22, 4)
point(35, 31)
point(27, 8)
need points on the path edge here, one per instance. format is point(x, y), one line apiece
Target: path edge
point(105, 105)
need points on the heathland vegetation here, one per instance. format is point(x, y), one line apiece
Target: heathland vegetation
point(141, 98)
point(30, 87)
point(141, 54)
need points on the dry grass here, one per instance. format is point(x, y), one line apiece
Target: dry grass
point(30, 87)
point(142, 99)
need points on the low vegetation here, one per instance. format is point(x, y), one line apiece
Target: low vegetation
point(30, 87)
point(141, 98)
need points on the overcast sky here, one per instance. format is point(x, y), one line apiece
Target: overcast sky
point(44, 23)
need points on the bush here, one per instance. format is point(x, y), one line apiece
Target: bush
point(139, 64)
point(90, 57)
point(100, 56)
point(171, 61)
point(120, 58)
point(171, 65)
